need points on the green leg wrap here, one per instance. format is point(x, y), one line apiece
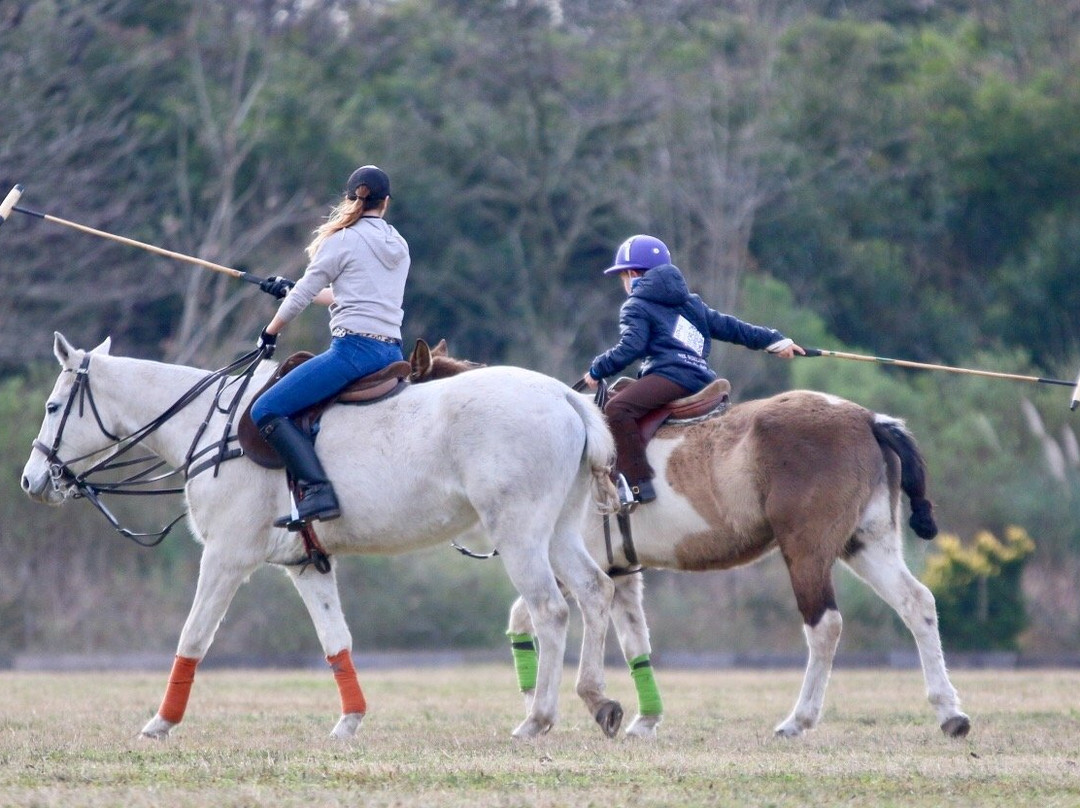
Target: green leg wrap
point(525, 657)
point(648, 694)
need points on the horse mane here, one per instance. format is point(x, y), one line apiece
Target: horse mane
point(429, 364)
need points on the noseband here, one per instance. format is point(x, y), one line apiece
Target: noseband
point(59, 471)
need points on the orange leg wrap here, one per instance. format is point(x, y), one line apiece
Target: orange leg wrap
point(176, 695)
point(352, 697)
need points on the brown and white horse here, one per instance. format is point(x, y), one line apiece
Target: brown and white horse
point(814, 476)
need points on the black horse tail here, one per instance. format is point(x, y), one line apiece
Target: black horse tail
point(893, 435)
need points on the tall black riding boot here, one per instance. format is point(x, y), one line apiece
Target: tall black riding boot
point(316, 499)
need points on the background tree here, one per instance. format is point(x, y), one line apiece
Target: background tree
point(894, 177)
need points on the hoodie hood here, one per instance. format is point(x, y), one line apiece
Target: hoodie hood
point(388, 246)
point(662, 284)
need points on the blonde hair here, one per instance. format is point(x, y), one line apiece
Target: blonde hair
point(345, 214)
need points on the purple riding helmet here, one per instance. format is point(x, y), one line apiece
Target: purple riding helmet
point(639, 252)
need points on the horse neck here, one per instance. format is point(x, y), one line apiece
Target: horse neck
point(131, 393)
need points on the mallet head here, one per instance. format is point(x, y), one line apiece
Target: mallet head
point(1075, 396)
point(10, 201)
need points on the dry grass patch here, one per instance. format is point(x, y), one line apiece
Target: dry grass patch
point(442, 737)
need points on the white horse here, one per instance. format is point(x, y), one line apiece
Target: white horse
point(813, 475)
point(511, 451)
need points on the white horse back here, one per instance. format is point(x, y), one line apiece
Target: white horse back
point(439, 458)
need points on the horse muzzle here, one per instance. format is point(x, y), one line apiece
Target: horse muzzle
point(44, 483)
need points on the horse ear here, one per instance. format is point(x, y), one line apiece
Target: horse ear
point(420, 361)
point(440, 349)
point(62, 349)
point(104, 347)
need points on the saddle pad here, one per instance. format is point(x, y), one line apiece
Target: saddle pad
point(367, 388)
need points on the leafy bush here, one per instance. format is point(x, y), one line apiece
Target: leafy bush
point(978, 589)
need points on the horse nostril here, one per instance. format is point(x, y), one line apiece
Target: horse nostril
point(25, 483)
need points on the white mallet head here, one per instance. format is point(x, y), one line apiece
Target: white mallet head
point(1075, 396)
point(10, 201)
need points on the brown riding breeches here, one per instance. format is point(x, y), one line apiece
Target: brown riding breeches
point(624, 411)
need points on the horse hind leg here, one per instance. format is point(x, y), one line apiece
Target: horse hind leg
point(532, 576)
point(822, 625)
point(593, 591)
point(628, 617)
point(880, 563)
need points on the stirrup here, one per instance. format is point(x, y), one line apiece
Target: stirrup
point(294, 522)
point(627, 501)
point(644, 491)
point(291, 521)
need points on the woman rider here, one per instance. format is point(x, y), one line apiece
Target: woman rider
point(358, 266)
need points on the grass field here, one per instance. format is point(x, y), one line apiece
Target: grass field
point(441, 737)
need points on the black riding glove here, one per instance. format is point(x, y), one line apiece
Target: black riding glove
point(267, 343)
point(277, 286)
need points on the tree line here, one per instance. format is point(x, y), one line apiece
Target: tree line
point(896, 177)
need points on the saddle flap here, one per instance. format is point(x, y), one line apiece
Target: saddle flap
point(699, 404)
point(367, 388)
point(702, 402)
point(375, 385)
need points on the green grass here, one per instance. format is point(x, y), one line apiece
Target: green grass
point(441, 737)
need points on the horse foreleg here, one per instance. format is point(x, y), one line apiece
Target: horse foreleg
point(593, 591)
point(217, 586)
point(320, 595)
point(534, 580)
point(888, 575)
point(628, 617)
point(523, 649)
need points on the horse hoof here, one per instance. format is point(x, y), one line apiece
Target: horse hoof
point(157, 729)
point(957, 727)
point(609, 717)
point(532, 728)
point(789, 729)
point(644, 727)
point(347, 726)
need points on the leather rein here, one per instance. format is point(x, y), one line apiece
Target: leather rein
point(63, 476)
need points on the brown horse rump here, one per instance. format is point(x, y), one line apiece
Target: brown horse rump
point(383, 383)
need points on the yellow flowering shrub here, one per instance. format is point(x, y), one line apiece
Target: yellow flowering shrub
point(977, 586)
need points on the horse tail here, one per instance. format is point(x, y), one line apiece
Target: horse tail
point(599, 451)
point(892, 434)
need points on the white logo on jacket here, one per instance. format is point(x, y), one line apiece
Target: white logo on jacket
point(689, 336)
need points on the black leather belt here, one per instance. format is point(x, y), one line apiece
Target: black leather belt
point(345, 332)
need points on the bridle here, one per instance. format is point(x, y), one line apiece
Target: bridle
point(63, 476)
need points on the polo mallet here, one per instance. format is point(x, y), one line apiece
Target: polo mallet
point(10, 204)
point(950, 369)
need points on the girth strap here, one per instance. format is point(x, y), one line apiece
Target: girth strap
point(316, 554)
point(622, 518)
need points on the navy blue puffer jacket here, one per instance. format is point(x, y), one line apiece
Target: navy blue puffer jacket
point(672, 330)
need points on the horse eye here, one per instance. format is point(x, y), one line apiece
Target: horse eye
point(51, 407)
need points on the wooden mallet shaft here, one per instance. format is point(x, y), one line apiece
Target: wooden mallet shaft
point(10, 204)
point(903, 363)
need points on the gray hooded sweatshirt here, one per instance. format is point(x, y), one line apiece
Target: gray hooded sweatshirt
point(366, 265)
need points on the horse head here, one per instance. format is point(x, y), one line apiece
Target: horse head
point(45, 477)
point(429, 364)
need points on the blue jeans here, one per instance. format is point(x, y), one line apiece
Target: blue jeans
point(347, 359)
